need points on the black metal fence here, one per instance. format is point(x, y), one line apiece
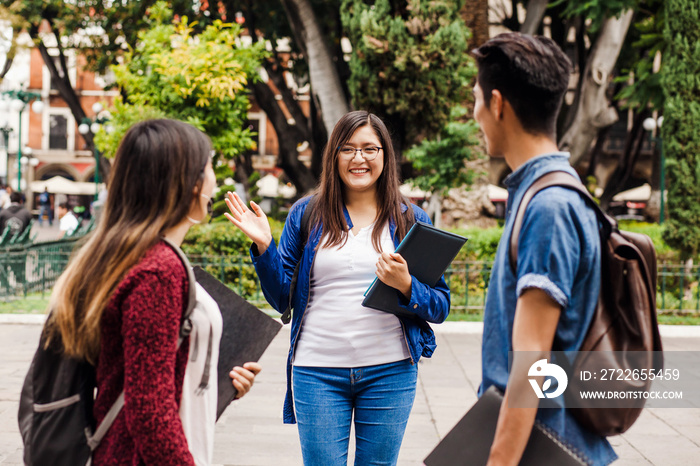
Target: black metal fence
point(36, 268)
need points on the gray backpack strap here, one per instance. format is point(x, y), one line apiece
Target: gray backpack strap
point(186, 325)
point(94, 440)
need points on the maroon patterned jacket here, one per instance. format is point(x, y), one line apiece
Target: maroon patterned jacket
point(138, 352)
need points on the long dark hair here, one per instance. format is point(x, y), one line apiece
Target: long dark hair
point(158, 171)
point(329, 207)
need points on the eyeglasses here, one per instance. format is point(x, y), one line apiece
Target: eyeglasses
point(368, 153)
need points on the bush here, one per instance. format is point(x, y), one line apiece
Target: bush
point(223, 250)
point(221, 237)
point(655, 232)
point(481, 245)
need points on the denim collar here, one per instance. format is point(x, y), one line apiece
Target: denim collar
point(537, 164)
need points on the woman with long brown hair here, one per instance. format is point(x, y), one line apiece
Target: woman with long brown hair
point(120, 301)
point(345, 360)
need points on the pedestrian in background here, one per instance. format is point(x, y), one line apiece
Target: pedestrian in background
point(68, 222)
point(120, 302)
point(347, 361)
point(45, 207)
point(15, 216)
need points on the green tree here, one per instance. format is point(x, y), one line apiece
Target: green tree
point(199, 80)
point(410, 63)
point(441, 161)
point(681, 126)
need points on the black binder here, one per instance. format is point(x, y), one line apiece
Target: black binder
point(247, 332)
point(469, 441)
point(428, 251)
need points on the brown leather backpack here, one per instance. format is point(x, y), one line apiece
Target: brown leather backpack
point(624, 334)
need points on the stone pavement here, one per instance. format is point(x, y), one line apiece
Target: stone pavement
point(45, 232)
point(251, 431)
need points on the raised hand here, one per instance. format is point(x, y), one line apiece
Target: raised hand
point(253, 223)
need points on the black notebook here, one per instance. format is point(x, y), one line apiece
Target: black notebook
point(428, 251)
point(469, 442)
point(247, 332)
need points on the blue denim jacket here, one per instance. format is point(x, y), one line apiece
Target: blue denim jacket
point(275, 268)
point(559, 253)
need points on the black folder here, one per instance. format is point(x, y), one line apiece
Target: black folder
point(428, 251)
point(469, 442)
point(247, 332)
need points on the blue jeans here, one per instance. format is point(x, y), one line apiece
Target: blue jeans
point(45, 209)
point(380, 397)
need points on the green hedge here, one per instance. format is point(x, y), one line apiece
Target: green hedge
point(223, 238)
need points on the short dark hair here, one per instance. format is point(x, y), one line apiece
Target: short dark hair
point(531, 72)
point(16, 197)
point(65, 205)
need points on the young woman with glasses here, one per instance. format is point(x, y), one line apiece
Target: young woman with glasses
point(347, 361)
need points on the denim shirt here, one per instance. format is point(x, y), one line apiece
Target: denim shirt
point(559, 253)
point(275, 268)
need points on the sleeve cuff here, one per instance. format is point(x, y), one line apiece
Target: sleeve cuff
point(542, 282)
point(255, 256)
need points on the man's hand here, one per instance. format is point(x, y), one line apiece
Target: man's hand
point(536, 319)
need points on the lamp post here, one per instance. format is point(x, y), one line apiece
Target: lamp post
point(88, 125)
point(6, 130)
point(652, 125)
point(20, 100)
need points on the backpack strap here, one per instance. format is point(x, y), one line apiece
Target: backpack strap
point(304, 230)
point(565, 180)
point(93, 440)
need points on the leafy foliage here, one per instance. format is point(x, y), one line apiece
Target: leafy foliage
point(596, 10)
point(681, 82)
point(200, 80)
point(441, 161)
point(409, 62)
point(645, 40)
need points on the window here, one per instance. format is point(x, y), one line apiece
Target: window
point(58, 132)
point(257, 122)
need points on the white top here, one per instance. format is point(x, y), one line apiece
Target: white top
point(198, 407)
point(337, 330)
point(68, 223)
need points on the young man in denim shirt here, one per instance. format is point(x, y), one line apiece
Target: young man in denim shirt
point(550, 299)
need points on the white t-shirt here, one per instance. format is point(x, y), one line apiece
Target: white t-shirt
point(68, 223)
point(198, 407)
point(337, 330)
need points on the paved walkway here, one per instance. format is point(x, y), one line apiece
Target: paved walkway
point(251, 431)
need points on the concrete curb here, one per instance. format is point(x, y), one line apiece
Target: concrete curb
point(466, 328)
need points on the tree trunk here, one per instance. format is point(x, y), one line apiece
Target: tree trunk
point(594, 110)
point(535, 13)
point(6, 67)
point(323, 74)
point(475, 14)
point(435, 209)
point(67, 92)
point(653, 208)
point(597, 151)
point(288, 136)
point(625, 165)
